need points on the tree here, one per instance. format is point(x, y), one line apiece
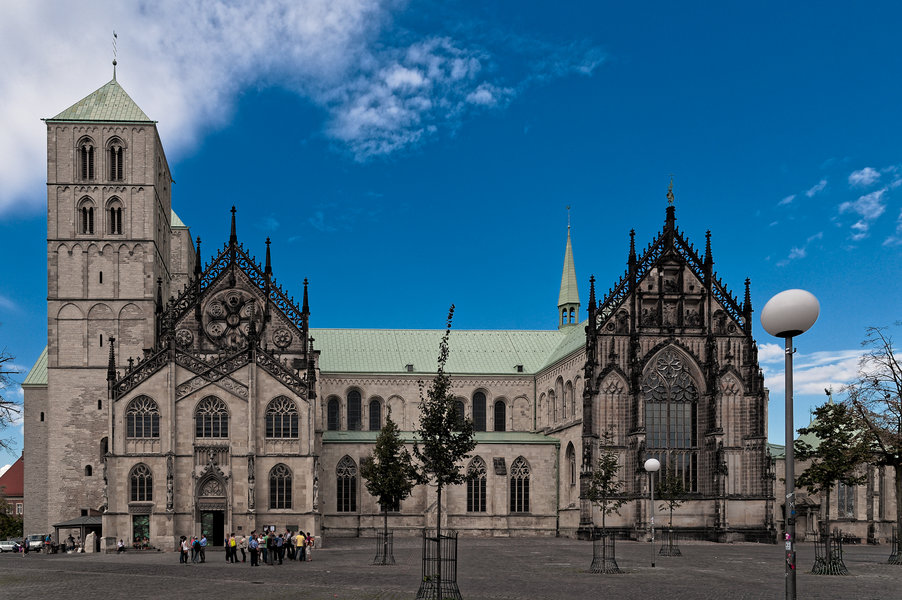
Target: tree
point(605, 488)
point(671, 491)
point(10, 524)
point(840, 450)
point(9, 408)
point(443, 439)
point(389, 473)
point(876, 398)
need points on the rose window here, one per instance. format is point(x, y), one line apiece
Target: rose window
point(228, 316)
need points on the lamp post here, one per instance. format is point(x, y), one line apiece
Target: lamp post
point(788, 314)
point(651, 466)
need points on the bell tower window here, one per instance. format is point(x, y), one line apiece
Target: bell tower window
point(86, 217)
point(86, 160)
point(115, 217)
point(117, 155)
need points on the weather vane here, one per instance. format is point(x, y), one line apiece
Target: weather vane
point(568, 217)
point(115, 53)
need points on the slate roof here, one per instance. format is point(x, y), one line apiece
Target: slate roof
point(38, 373)
point(109, 103)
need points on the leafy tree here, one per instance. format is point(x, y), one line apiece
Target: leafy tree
point(9, 407)
point(389, 473)
point(876, 397)
point(443, 439)
point(841, 450)
point(671, 491)
point(10, 525)
point(605, 488)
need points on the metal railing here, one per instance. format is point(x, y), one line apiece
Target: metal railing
point(670, 543)
point(439, 575)
point(604, 559)
point(828, 553)
point(384, 548)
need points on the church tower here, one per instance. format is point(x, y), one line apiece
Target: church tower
point(568, 299)
point(109, 238)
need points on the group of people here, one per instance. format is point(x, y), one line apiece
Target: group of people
point(268, 546)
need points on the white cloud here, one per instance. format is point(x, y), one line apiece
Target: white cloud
point(7, 304)
point(863, 177)
point(869, 207)
point(816, 188)
point(770, 352)
point(185, 62)
point(812, 373)
point(896, 238)
point(787, 200)
point(797, 253)
point(4, 469)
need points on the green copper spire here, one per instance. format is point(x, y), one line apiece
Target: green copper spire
point(568, 299)
point(109, 103)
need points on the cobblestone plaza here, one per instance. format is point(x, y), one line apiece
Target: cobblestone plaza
point(488, 568)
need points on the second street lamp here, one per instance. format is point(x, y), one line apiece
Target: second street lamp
point(651, 466)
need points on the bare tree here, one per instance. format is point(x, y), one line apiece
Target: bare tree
point(876, 396)
point(10, 408)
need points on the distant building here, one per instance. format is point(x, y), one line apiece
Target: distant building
point(12, 488)
point(179, 395)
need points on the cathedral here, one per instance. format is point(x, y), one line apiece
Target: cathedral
point(184, 391)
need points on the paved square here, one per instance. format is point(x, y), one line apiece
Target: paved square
point(522, 568)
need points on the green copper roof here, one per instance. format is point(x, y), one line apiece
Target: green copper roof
point(569, 291)
point(38, 373)
point(472, 352)
point(174, 221)
point(109, 103)
point(482, 437)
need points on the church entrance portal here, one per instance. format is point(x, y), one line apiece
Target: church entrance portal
point(212, 523)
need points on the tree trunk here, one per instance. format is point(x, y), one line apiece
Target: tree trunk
point(827, 512)
point(438, 538)
point(670, 525)
point(899, 503)
point(385, 534)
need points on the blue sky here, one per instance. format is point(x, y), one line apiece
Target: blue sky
point(403, 156)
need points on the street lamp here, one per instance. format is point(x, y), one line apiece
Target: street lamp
point(651, 466)
point(788, 314)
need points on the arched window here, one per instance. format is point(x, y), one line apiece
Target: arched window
point(354, 421)
point(280, 487)
point(460, 411)
point(114, 216)
point(86, 216)
point(346, 480)
point(141, 484)
point(572, 315)
point(571, 463)
point(563, 316)
point(86, 159)
point(520, 486)
point(117, 156)
point(282, 418)
point(671, 421)
point(476, 488)
point(142, 418)
point(552, 407)
point(479, 411)
point(333, 415)
point(375, 415)
point(500, 415)
point(211, 418)
point(89, 470)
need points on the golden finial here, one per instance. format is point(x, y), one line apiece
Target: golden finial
point(670, 191)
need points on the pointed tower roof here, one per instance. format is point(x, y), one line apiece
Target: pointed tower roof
point(109, 103)
point(569, 291)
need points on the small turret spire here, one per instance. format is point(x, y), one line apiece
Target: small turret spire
point(747, 307)
point(267, 270)
point(708, 259)
point(568, 298)
point(592, 292)
point(233, 236)
point(111, 367)
point(671, 209)
point(197, 259)
point(305, 308)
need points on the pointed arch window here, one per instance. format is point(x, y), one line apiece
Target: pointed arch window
point(280, 487)
point(116, 160)
point(375, 415)
point(500, 416)
point(479, 411)
point(141, 484)
point(354, 420)
point(142, 418)
point(346, 480)
point(571, 463)
point(86, 160)
point(282, 418)
point(671, 416)
point(333, 415)
point(476, 485)
point(460, 411)
point(519, 486)
point(86, 217)
point(211, 418)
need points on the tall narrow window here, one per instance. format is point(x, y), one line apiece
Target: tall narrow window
point(86, 160)
point(479, 411)
point(114, 216)
point(211, 419)
point(354, 411)
point(500, 415)
point(346, 480)
point(116, 156)
point(333, 415)
point(671, 406)
point(142, 418)
point(282, 418)
point(280, 487)
point(460, 411)
point(86, 214)
point(571, 463)
point(845, 501)
point(476, 487)
point(519, 486)
point(375, 415)
point(141, 484)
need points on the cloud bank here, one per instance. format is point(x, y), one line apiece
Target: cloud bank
point(381, 89)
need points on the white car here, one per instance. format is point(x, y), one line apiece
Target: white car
point(36, 542)
point(9, 545)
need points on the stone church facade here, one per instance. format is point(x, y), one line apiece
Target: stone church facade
point(178, 395)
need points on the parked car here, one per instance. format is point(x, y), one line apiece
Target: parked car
point(36, 542)
point(11, 545)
